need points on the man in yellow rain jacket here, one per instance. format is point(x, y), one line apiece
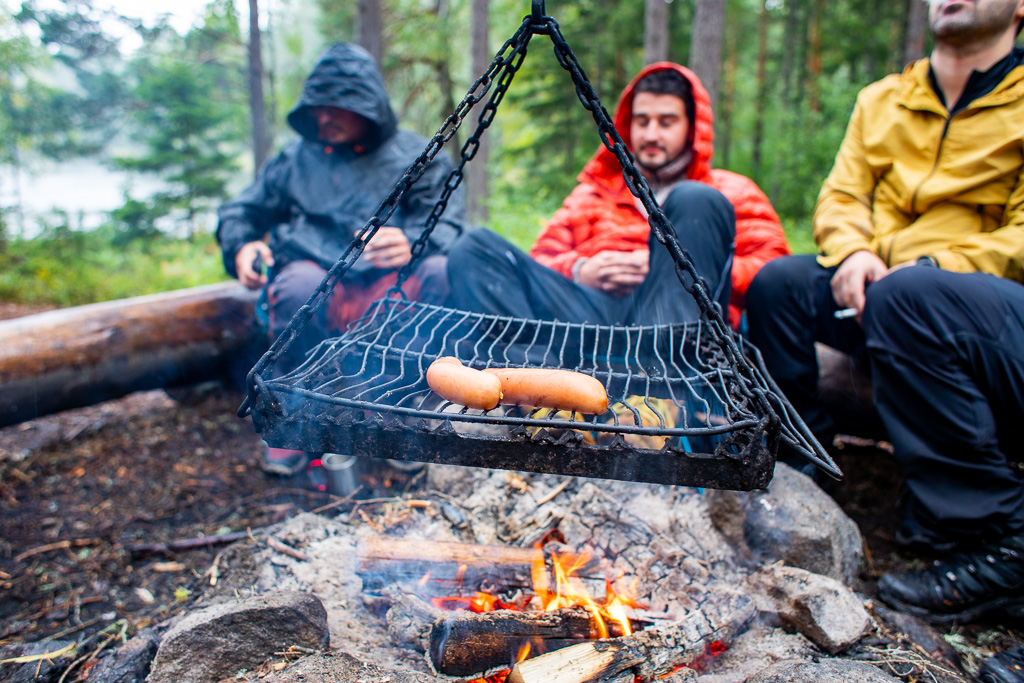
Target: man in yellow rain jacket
point(920, 231)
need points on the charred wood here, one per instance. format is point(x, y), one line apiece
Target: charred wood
point(467, 643)
point(80, 356)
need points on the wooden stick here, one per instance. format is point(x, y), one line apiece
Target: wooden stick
point(449, 568)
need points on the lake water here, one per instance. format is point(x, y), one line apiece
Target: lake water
point(86, 190)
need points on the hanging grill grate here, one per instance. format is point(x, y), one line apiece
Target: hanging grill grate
point(687, 405)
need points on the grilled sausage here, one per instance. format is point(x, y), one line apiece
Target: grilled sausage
point(557, 389)
point(453, 381)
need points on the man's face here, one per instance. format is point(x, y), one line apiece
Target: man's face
point(960, 22)
point(659, 131)
point(339, 126)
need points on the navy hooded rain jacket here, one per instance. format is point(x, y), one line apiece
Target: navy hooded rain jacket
point(313, 197)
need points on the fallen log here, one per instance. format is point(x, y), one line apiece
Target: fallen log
point(648, 654)
point(464, 643)
point(442, 568)
point(74, 357)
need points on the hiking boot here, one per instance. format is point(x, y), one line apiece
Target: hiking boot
point(283, 462)
point(964, 587)
point(1003, 667)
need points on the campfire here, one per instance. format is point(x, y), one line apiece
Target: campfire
point(487, 576)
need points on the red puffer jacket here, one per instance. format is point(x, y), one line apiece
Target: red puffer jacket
point(601, 213)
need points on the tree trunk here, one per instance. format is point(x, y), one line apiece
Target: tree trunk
point(789, 49)
point(762, 87)
point(260, 144)
point(370, 28)
point(724, 141)
point(814, 65)
point(655, 31)
point(706, 45)
point(84, 355)
point(917, 30)
point(477, 190)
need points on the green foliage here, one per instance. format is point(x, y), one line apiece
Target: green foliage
point(70, 268)
point(191, 121)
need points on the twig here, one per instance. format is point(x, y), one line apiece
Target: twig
point(286, 549)
point(46, 656)
point(558, 489)
point(187, 544)
point(59, 545)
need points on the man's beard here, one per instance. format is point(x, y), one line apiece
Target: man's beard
point(670, 170)
point(972, 26)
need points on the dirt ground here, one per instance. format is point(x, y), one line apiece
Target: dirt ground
point(112, 515)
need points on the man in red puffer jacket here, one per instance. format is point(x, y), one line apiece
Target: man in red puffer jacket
point(596, 260)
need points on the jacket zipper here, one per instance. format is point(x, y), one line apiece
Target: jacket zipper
point(913, 199)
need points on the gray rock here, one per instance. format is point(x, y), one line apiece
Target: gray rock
point(129, 663)
point(793, 521)
point(824, 671)
point(340, 667)
point(820, 608)
point(216, 642)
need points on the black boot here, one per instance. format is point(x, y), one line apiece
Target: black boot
point(963, 587)
point(1003, 667)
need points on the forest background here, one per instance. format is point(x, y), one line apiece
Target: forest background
point(188, 116)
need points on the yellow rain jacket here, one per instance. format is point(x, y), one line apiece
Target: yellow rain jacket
point(910, 181)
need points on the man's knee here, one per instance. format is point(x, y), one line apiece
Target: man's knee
point(697, 201)
point(902, 300)
point(780, 279)
point(472, 245)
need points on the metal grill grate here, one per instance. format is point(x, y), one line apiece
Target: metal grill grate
point(677, 413)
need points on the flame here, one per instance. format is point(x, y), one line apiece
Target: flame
point(559, 588)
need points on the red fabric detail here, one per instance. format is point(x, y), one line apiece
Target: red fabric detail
point(601, 214)
point(349, 301)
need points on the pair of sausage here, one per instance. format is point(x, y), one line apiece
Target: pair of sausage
point(540, 387)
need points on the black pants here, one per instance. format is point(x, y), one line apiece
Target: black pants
point(947, 361)
point(488, 274)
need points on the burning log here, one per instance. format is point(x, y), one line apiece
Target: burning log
point(449, 569)
point(466, 643)
point(79, 356)
point(647, 654)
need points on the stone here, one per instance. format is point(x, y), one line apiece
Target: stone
point(216, 642)
point(793, 521)
point(129, 663)
point(340, 667)
point(823, 671)
point(824, 610)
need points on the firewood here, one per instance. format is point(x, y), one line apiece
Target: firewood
point(447, 568)
point(465, 643)
point(647, 654)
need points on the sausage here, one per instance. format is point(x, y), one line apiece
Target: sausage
point(453, 381)
point(557, 389)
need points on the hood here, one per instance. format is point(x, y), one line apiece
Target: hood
point(346, 77)
point(605, 169)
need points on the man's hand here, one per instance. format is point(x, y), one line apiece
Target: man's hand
point(244, 261)
point(615, 272)
point(389, 248)
point(854, 274)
